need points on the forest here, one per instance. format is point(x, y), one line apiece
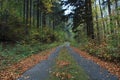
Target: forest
point(28, 27)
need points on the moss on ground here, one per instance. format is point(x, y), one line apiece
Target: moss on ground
point(66, 68)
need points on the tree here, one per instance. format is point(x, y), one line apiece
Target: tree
point(103, 23)
point(89, 19)
point(97, 24)
point(117, 12)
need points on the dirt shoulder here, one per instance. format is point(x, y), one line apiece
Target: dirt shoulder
point(111, 67)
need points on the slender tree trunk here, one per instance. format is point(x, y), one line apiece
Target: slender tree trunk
point(44, 19)
point(98, 33)
point(116, 7)
point(103, 23)
point(110, 18)
point(24, 12)
point(21, 9)
point(1, 9)
point(41, 24)
point(53, 22)
point(38, 14)
point(118, 23)
point(41, 19)
point(30, 12)
point(34, 14)
point(89, 19)
point(27, 16)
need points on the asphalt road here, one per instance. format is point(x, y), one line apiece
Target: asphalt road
point(41, 70)
point(94, 71)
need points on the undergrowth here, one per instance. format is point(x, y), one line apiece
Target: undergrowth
point(10, 54)
point(104, 51)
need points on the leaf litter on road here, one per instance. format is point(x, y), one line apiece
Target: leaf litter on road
point(15, 71)
point(110, 66)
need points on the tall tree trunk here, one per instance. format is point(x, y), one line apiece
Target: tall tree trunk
point(1, 9)
point(53, 22)
point(41, 19)
point(89, 19)
point(117, 12)
point(38, 14)
point(103, 23)
point(24, 11)
point(109, 11)
point(31, 12)
point(34, 15)
point(27, 16)
point(118, 23)
point(41, 24)
point(44, 19)
point(98, 33)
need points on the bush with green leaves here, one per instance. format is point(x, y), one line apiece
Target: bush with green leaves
point(10, 54)
point(11, 29)
point(46, 35)
point(106, 51)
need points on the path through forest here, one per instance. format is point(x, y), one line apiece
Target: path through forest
point(41, 70)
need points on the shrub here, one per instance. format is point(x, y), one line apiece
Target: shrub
point(12, 29)
point(45, 35)
point(104, 51)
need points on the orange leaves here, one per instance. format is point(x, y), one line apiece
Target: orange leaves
point(110, 66)
point(8, 75)
point(14, 71)
point(61, 70)
point(62, 75)
point(66, 68)
point(63, 63)
point(25, 77)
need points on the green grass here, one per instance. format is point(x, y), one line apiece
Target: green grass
point(12, 54)
point(70, 71)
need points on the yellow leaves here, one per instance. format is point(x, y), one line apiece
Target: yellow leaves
point(48, 5)
point(8, 75)
point(62, 75)
point(63, 63)
point(26, 77)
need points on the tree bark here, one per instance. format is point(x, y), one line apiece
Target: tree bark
point(30, 12)
point(24, 11)
point(27, 17)
point(89, 19)
point(104, 30)
point(117, 13)
point(110, 18)
point(98, 33)
point(38, 14)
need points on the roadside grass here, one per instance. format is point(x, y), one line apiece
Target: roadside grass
point(13, 54)
point(66, 68)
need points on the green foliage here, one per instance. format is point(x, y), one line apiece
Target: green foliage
point(105, 51)
point(46, 35)
point(16, 26)
point(106, 30)
point(10, 54)
point(14, 30)
point(11, 28)
point(113, 40)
